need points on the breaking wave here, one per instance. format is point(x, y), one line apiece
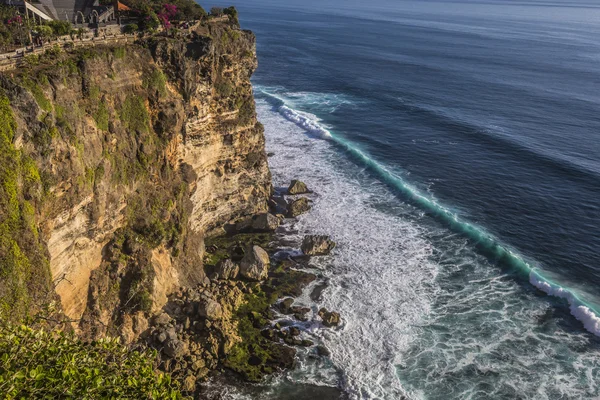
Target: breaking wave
point(485, 243)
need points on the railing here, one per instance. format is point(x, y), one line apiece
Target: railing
point(16, 59)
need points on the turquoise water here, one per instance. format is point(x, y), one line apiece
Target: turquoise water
point(454, 150)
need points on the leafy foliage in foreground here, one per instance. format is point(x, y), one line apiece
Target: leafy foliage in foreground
point(40, 364)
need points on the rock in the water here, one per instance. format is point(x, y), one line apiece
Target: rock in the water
point(323, 351)
point(255, 264)
point(265, 222)
point(285, 305)
point(317, 245)
point(297, 187)
point(297, 207)
point(210, 309)
point(330, 319)
point(227, 269)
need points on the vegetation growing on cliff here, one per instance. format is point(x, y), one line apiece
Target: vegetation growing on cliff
point(24, 268)
point(52, 364)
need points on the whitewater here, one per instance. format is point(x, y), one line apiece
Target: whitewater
point(425, 295)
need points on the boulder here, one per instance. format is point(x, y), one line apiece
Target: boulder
point(175, 348)
point(297, 207)
point(210, 309)
point(323, 351)
point(255, 264)
point(226, 270)
point(278, 204)
point(317, 245)
point(297, 187)
point(330, 319)
point(265, 222)
point(285, 305)
point(189, 383)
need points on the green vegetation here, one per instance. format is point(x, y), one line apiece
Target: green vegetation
point(187, 10)
point(38, 94)
point(224, 87)
point(24, 271)
point(233, 14)
point(134, 114)
point(101, 116)
point(131, 28)
point(222, 246)
point(54, 365)
point(60, 28)
point(251, 317)
point(119, 52)
point(158, 81)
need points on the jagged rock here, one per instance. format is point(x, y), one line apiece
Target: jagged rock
point(175, 348)
point(285, 305)
point(294, 331)
point(278, 205)
point(330, 319)
point(189, 383)
point(255, 264)
point(317, 245)
point(227, 269)
point(162, 319)
point(297, 207)
point(269, 333)
point(265, 222)
point(297, 187)
point(300, 313)
point(285, 357)
point(323, 351)
point(210, 309)
point(306, 343)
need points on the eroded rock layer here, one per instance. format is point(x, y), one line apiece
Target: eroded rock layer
point(136, 154)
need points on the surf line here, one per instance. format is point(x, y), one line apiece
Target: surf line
point(485, 243)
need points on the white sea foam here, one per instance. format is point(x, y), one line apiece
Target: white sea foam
point(305, 121)
point(380, 276)
point(583, 313)
point(382, 282)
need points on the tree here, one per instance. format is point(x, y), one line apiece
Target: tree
point(233, 14)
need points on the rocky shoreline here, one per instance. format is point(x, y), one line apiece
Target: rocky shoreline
point(238, 325)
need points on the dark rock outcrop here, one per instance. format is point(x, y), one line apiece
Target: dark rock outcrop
point(297, 207)
point(330, 319)
point(297, 187)
point(317, 245)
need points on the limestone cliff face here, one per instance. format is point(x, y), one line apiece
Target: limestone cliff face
point(141, 152)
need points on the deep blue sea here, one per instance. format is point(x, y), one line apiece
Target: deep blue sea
point(454, 148)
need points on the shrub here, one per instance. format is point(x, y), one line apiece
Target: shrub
point(60, 28)
point(216, 11)
point(233, 14)
point(131, 28)
point(52, 364)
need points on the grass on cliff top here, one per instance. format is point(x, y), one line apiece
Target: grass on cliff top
point(37, 364)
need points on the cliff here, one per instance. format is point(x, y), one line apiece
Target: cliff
point(117, 162)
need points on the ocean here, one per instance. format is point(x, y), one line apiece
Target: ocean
point(454, 151)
